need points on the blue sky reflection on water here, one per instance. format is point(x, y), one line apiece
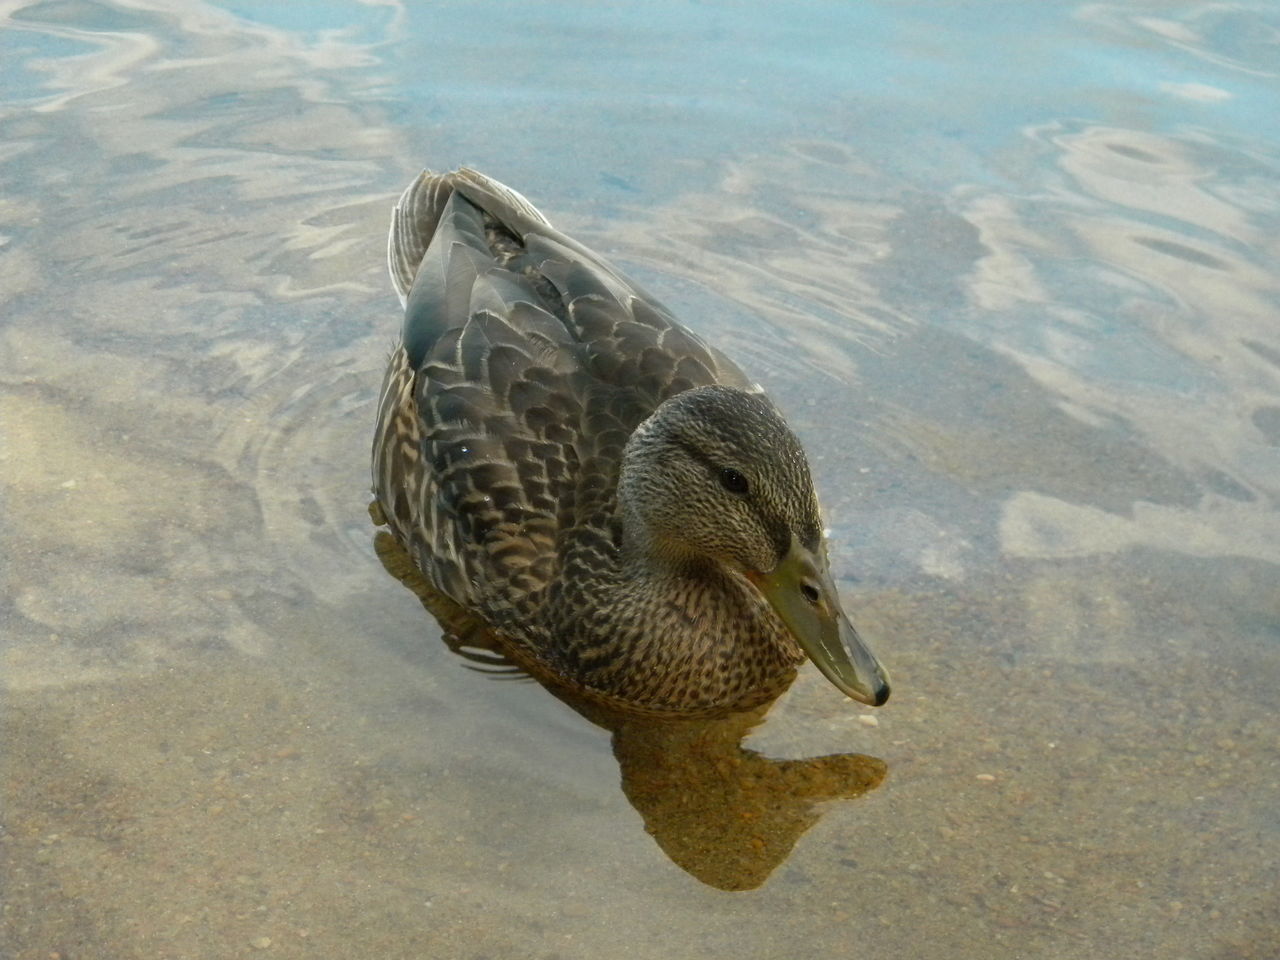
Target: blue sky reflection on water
point(1009, 268)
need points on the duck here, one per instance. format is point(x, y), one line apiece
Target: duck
point(571, 470)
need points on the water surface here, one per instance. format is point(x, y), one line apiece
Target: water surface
point(1010, 269)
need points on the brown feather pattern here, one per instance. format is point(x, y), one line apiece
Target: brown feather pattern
point(526, 365)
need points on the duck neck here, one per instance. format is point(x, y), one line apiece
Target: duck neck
point(673, 630)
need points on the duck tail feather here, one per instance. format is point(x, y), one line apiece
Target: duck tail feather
point(413, 223)
point(417, 215)
point(507, 205)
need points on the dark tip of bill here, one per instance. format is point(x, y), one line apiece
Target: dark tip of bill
point(882, 694)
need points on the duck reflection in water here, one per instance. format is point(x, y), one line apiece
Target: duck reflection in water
point(723, 813)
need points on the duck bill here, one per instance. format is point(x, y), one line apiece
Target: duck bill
point(800, 590)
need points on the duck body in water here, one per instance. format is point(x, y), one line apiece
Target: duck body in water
point(609, 496)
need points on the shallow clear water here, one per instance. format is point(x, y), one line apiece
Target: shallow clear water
point(1011, 270)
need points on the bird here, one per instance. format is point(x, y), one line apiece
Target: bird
point(575, 472)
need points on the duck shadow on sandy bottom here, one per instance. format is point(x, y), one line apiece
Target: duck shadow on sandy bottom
point(725, 814)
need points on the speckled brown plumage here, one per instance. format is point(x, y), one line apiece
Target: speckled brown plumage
point(550, 451)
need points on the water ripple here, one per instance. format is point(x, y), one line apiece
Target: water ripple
point(1137, 244)
point(172, 190)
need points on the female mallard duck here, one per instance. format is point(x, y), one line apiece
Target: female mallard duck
point(617, 502)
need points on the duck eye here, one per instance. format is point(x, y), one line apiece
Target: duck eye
point(733, 481)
